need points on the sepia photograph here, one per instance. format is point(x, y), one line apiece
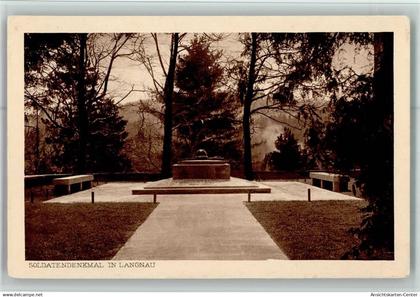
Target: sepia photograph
point(219, 146)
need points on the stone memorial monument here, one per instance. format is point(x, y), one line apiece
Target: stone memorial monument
point(201, 175)
point(201, 167)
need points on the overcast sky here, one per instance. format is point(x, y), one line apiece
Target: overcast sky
point(128, 72)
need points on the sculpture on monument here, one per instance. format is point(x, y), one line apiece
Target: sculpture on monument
point(201, 154)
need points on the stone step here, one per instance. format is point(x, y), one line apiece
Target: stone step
point(203, 190)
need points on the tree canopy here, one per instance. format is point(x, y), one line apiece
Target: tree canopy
point(65, 80)
point(288, 155)
point(204, 114)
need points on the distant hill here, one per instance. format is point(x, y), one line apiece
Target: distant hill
point(265, 133)
point(130, 112)
point(143, 145)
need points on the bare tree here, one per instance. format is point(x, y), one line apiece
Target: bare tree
point(66, 79)
point(163, 90)
point(167, 99)
point(287, 73)
point(83, 120)
point(247, 101)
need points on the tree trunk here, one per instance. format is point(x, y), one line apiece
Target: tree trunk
point(37, 145)
point(168, 94)
point(380, 171)
point(246, 120)
point(381, 152)
point(383, 70)
point(81, 106)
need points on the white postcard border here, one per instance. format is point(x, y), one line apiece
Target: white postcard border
point(18, 267)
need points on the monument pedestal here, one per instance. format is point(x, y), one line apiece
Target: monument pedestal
point(201, 176)
point(201, 169)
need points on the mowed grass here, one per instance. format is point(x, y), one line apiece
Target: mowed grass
point(80, 231)
point(317, 230)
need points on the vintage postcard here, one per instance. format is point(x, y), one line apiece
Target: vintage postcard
point(208, 147)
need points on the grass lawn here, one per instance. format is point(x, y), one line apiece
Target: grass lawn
point(316, 230)
point(80, 231)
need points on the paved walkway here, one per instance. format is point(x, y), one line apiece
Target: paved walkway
point(206, 227)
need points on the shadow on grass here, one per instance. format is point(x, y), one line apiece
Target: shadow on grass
point(80, 231)
point(317, 230)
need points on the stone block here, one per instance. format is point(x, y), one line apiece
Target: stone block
point(201, 169)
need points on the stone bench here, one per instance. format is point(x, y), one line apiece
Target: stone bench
point(84, 182)
point(201, 190)
point(324, 179)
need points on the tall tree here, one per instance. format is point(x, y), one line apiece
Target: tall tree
point(155, 63)
point(292, 74)
point(204, 114)
point(274, 76)
point(358, 140)
point(68, 85)
point(168, 101)
point(83, 121)
point(371, 117)
point(249, 95)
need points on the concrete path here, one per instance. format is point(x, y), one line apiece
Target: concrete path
point(206, 228)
